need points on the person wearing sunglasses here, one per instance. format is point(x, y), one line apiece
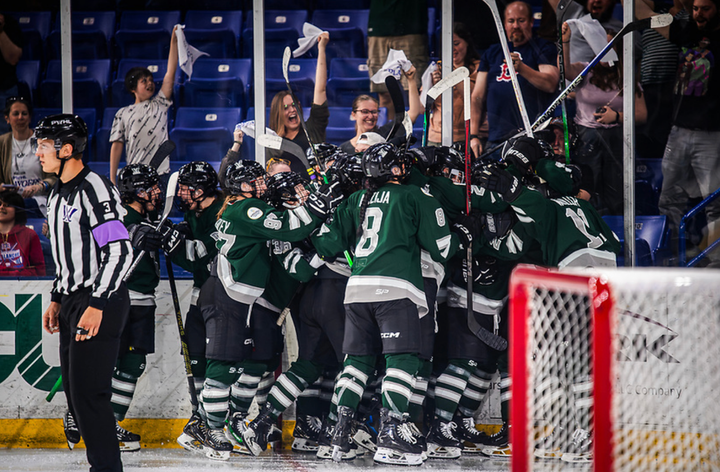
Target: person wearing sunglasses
point(20, 169)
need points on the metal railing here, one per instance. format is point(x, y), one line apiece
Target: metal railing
point(683, 223)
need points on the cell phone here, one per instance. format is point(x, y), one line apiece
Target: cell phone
point(600, 110)
point(8, 187)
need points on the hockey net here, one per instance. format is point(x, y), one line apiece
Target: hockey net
point(618, 368)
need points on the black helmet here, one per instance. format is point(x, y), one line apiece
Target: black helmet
point(379, 160)
point(323, 151)
point(347, 169)
point(446, 162)
point(243, 171)
point(62, 129)
point(134, 178)
point(285, 190)
point(197, 175)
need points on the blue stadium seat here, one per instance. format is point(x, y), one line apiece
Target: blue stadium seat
point(145, 34)
point(342, 91)
point(282, 28)
point(338, 135)
point(342, 4)
point(92, 34)
point(36, 225)
point(651, 171)
point(90, 83)
point(89, 116)
point(218, 83)
point(301, 73)
point(646, 198)
point(281, 19)
point(102, 137)
point(214, 32)
point(119, 97)
point(655, 230)
point(643, 253)
point(348, 68)
point(347, 29)
point(204, 133)
point(28, 73)
point(341, 18)
point(35, 27)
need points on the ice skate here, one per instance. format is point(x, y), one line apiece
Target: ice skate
point(365, 437)
point(442, 442)
point(72, 433)
point(550, 446)
point(341, 440)
point(255, 437)
point(129, 442)
point(236, 426)
point(472, 439)
point(420, 438)
point(580, 449)
point(325, 449)
point(396, 443)
point(499, 443)
point(193, 435)
point(306, 433)
point(217, 446)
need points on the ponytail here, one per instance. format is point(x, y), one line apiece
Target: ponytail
point(371, 187)
point(228, 200)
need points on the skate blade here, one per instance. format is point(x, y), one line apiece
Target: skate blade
point(217, 455)
point(439, 452)
point(235, 438)
point(71, 445)
point(388, 456)
point(190, 444)
point(241, 450)
point(304, 445)
point(504, 451)
point(337, 454)
point(577, 458)
point(471, 448)
point(548, 453)
point(364, 440)
point(248, 441)
point(129, 446)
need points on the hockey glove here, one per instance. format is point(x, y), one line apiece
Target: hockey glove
point(145, 237)
point(463, 233)
point(473, 222)
point(500, 181)
point(497, 225)
point(312, 258)
point(485, 270)
point(174, 237)
point(524, 153)
point(324, 201)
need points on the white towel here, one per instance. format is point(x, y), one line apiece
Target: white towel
point(248, 129)
point(309, 39)
point(594, 34)
point(187, 55)
point(396, 60)
point(427, 80)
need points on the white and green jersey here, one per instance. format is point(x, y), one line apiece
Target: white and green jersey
point(398, 222)
point(244, 257)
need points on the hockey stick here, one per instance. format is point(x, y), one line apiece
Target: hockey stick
point(446, 83)
point(561, 84)
point(654, 22)
point(517, 134)
point(511, 68)
point(398, 102)
point(169, 198)
point(468, 195)
point(181, 331)
point(285, 64)
point(285, 145)
point(161, 153)
point(54, 389)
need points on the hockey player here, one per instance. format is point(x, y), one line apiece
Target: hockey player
point(387, 224)
point(191, 245)
point(228, 299)
point(139, 187)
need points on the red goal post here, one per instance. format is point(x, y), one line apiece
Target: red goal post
point(646, 337)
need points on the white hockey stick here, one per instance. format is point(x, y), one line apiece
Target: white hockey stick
point(285, 64)
point(511, 68)
point(444, 84)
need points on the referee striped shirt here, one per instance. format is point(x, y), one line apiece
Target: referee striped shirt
point(90, 244)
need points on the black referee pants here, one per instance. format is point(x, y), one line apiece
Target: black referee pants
point(87, 368)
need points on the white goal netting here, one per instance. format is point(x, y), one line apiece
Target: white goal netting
point(616, 368)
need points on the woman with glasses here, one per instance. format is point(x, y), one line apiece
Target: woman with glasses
point(365, 113)
point(20, 169)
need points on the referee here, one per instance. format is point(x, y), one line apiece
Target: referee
point(89, 303)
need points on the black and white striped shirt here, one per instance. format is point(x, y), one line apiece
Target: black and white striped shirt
point(90, 244)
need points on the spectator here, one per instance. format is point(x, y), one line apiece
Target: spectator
point(534, 61)
point(366, 109)
point(400, 25)
point(463, 55)
point(11, 41)
point(20, 251)
point(20, 168)
point(368, 139)
point(691, 164)
point(143, 125)
point(563, 10)
point(599, 126)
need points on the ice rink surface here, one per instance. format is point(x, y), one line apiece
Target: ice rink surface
point(166, 460)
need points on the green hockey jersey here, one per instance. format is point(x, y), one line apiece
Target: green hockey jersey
point(399, 221)
point(146, 276)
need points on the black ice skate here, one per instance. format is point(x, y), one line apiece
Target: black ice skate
point(365, 436)
point(193, 435)
point(255, 437)
point(442, 440)
point(472, 439)
point(217, 446)
point(72, 433)
point(341, 440)
point(236, 426)
point(129, 442)
point(396, 443)
point(306, 433)
point(499, 443)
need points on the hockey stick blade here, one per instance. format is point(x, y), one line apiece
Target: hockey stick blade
point(493, 340)
point(398, 102)
point(162, 152)
point(285, 145)
point(169, 199)
point(452, 79)
point(660, 21)
point(286, 63)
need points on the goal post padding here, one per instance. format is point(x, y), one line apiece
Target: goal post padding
point(649, 340)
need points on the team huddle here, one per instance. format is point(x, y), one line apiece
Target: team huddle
point(370, 261)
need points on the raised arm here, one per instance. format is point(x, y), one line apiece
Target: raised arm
point(169, 79)
point(477, 109)
point(415, 107)
point(11, 52)
point(572, 69)
point(320, 93)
